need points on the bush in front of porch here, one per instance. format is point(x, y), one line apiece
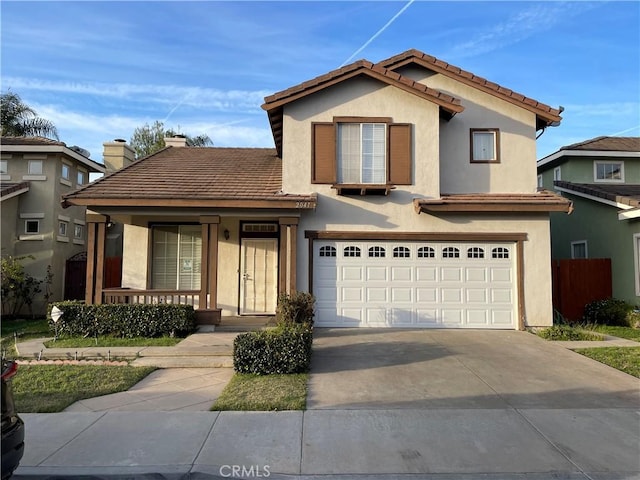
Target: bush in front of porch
point(122, 320)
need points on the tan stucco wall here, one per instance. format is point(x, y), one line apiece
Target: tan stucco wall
point(362, 98)
point(516, 173)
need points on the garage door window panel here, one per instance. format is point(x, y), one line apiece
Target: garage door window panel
point(475, 252)
point(377, 252)
point(500, 252)
point(401, 252)
point(450, 252)
point(351, 251)
point(426, 252)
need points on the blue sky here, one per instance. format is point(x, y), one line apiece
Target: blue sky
point(98, 70)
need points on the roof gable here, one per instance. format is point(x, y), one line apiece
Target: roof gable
point(599, 147)
point(545, 115)
point(274, 104)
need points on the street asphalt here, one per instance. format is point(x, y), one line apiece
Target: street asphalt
point(382, 404)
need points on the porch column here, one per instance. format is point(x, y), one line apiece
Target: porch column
point(96, 236)
point(209, 267)
point(288, 254)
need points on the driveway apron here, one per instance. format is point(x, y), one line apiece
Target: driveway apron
point(393, 369)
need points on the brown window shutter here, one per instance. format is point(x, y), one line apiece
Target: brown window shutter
point(400, 153)
point(324, 153)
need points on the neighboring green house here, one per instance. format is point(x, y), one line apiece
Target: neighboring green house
point(601, 177)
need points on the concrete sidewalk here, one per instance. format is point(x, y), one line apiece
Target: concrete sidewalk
point(455, 444)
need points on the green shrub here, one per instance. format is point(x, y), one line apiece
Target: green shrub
point(609, 312)
point(567, 333)
point(123, 320)
point(285, 349)
point(295, 308)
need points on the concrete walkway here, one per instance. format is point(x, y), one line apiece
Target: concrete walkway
point(450, 405)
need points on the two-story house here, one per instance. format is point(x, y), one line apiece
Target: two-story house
point(601, 176)
point(401, 194)
point(35, 172)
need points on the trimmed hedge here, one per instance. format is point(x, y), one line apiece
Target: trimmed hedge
point(123, 320)
point(284, 349)
point(295, 308)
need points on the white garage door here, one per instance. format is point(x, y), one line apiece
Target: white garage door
point(414, 284)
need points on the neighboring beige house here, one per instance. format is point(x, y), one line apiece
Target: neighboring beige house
point(401, 194)
point(35, 173)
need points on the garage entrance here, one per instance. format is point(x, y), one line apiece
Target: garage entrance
point(415, 284)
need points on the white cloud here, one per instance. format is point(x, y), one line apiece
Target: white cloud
point(172, 95)
point(533, 20)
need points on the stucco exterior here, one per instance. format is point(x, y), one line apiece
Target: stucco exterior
point(439, 111)
point(42, 203)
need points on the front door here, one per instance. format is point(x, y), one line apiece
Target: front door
point(259, 276)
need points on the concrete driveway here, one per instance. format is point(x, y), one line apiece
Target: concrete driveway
point(394, 369)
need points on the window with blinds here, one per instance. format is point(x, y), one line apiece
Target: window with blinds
point(176, 257)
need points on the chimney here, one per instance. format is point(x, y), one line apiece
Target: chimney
point(176, 141)
point(117, 155)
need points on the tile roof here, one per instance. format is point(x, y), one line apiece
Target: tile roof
point(612, 144)
point(545, 113)
point(543, 201)
point(7, 188)
point(30, 141)
point(190, 175)
point(274, 103)
point(626, 194)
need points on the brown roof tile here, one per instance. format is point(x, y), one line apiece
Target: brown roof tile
point(192, 174)
point(30, 141)
point(495, 202)
point(614, 144)
point(626, 194)
point(544, 112)
point(7, 188)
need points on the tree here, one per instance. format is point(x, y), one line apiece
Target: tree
point(18, 119)
point(149, 139)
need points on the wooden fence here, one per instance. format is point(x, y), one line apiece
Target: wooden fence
point(577, 282)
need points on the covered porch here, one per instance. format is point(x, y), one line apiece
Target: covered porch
point(238, 266)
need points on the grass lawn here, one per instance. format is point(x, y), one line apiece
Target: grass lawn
point(25, 329)
point(52, 388)
point(79, 342)
point(626, 359)
point(264, 393)
point(621, 332)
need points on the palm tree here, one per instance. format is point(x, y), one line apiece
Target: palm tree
point(18, 119)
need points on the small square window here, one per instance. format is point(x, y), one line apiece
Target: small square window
point(3, 166)
point(485, 145)
point(579, 249)
point(78, 231)
point(608, 171)
point(35, 167)
point(62, 229)
point(66, 171)
point(82, 177)
point(32, 226)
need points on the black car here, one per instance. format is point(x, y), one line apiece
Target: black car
point(12, 425)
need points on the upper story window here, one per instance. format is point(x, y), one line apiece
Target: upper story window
point(78, 231)
point(66, 171)
point(557, 174)
point(362, 151)
point(82, 177)
point(485, 145)
point(540, 181)
point(32, 226)
point(608, 171)
point(362, 155)
point(579, 249)
point(4, 167)
point(35, 167)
